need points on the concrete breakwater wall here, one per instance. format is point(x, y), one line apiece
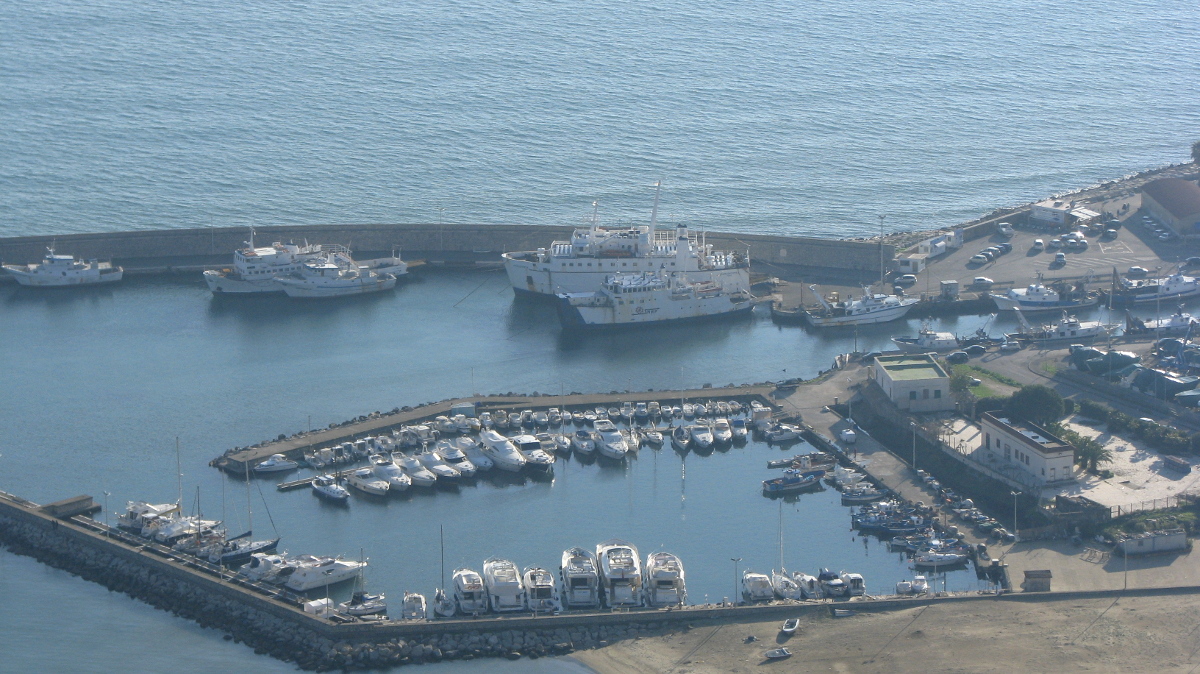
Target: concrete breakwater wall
point(157, 250)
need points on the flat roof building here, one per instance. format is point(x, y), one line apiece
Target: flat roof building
point(1175, 202)
point(914, 382)
point(1028, 449)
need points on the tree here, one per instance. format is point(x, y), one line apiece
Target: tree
point(1090, 454)
point(1196, 152)
point(1040, 404)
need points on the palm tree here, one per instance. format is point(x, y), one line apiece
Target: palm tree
point(1196, 152)
point(1091, 454)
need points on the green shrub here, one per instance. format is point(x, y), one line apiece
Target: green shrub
point(1094, 410)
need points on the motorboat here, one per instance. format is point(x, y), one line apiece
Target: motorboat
point(505, 590)
point(936, 559)
point(777, 654)
point(514, 419)
point(527, 418)
point(451, 452)
point(536, 458)
point(434, 463)
point(329, 277)
point(313, 572)
point(276, 463)
point(541, 592)
point(653, 437)
point(855, 586)
point(445, 425)
point(702, 436)
point(701, 410)
point(782, 433)
point(170, 530)
point(501, 451)
point(612, 442)
point(239, 549)
point(386, 469)
point(793, 481)
point(653, 408)
point(868, 309)
point(1039, 297)
point(444, 605)
point(756, 587)
point(580, 579)
point(485, 420)
point(689, 411)
point(578, 418)
point(475, 454)
point(927, 340)
point(722, 432)
point(809, 586)
point(681, 437)
point(831, 584)
point(462, 423)
point(785, 586)
point(641, 412)
point(417, 472)
point(861, 494)
point(255, 268)
point(920, 585)
point(327, 487)
point(739, 429)
point(363, 603)
point(138, 514)
point(790, 626)
point(1068, 327)
point(664, 580)
point(469, 593)
point(582, 442)
point(365, 480)
point(555, 416)
point(268, 568)
point(414, 607)
point(64, 270)
point(620, 573)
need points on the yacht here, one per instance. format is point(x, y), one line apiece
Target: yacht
point(276, 463)
point(702, 436)
point(831, 584)
point(414, 608)
point(620, 573)
point(268, 568)
point(434, 463)
point(452, 453)
point(170, 530)
point(254, 269)
point(313, 572)
point(855, 586)
point(580, 579)
point(57, 271)
point(1068, 327)
point(927, 340)
point(681, 437)
point(501, 451)
point(784, 586)
point(582, 263)
point(641, 412)
point(485, 420)
point(475, 455)
point(504, 588)
point(541, 592)
point(653, 437)
point(722, 432)
point(536, 458)
point(756, 587)
point(418, 473)
point(327, 487)
point(664, 580)
point(328, 277)
point(782, 433)
point(1038, 297)
point(469, 593)
point(138, 514)
point(387, 470)
point(739, 429)
point(870, 308)
point(365, 480)
point(612, 443)
point(809, 586)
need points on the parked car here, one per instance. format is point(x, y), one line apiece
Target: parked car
point(1110, 234)
point(1038, 244)
point(1056, 243)
point(957, 357)
point(976, 350)
point(980, 259)
point(1060, 258)
point(1192, 262)
point(976, 381)
point(1010, 346)
point(1006, 229)
point(1137, 272)
point(906, 280)
point(1004, 248)
point(985, 282)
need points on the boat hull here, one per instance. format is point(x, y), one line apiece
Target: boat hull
point(301, 290)
point(547, 279)
point(1006, 303)
point(612, 318)
point(34, 280)
point(882, 316)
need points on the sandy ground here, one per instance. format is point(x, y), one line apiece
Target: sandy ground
point(1131, 634)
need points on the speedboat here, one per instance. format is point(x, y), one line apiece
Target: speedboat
point(501, 451)
point(365, 480)
point(415, 607)
point(555, 416)
point(664, 580)
point(722, 432)
point(536, 458)
point(612, 442)
point(689, 411)
point(276, 463)
point(831, 583)
point(541, 419)
point(417, 472)
point(653, 409)
point(387, 470)
point(327, 487)
point(452, 454)
point(680, 437)
point(920, 585)
point(435, 465)
point(632, 439)
point(562, 443)
point(268, 568)
point(137, 514)
point(777, 654)
point(756, 587)
point(485, 420)
point(64, 270)
point(782, 433)
point(790, 626)
point(505, 590)
point(475, 454)
point(701, 410)
point(855, 586)
point(541, 592)
point(582, 442)
point(313, 572)
point(443, 604)
point(738, 427)
point(620, 573)
point(784, 585)
point(927, 340)
point(809, 586)
point(702, 436)
point(578, 418)
point(363, 603)
point(653, 437)
point(580, 578)
point(469, 592)
point(641, 412)
point(445, 425)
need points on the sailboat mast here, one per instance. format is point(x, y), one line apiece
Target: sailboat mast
point(442, 538)
point(654, 211)
point(781, 536)
point(249, 509)
point(882, 266)
point(178, 473)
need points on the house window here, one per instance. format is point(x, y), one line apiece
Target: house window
point(912, 395)
point(987, 440)
point(926, 394)
point(937, 393)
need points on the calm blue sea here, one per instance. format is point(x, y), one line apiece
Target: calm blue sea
point(808, 118)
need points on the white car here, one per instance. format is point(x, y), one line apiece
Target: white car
point(1038, 244)
point(983, 282)
point(981, 259)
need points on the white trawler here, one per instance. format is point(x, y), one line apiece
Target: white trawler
point(869, 308)
point(332, 276)
point(631, 299)
point(254, 269)
point(56, 271)
point(581, 264)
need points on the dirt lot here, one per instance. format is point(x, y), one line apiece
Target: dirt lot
point(1132, 634)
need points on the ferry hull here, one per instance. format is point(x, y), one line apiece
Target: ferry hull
point(548, 279)
point(604, 318)
point(319, 292)
point(222, 284)
point(34, 280)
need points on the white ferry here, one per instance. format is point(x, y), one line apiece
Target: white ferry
point(254, 269)
point(583, 263)
point(865, 310)
point(631, 299)
point(332, 277)
point(64, 270)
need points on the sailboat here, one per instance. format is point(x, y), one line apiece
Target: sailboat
point(237, 550)
point(783, 585)
point(361, 602)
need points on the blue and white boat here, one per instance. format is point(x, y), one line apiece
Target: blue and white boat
point(1038, 297)
point(792, 481)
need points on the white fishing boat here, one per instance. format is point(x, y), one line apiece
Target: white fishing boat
point(365, 480)
point(1168, 289)
point(702, 436)
point(254, 269)
point(582, 442)
point(935, 559)
point(541, 592)
point(415, 607)
point(580, 578)
point(620, 573)
point(313, 572)
point(612, 443)
point(386, 469)
point(327, 487)
point(329, 277)
point(505, 590)
point(1069, 327)
point(1177, 323)
point(756, 587)
point(276, 463)
point(664, 582)
point(1038, 297)
point(868, 309)
point(581, 263)
point(722, 431)
point(784, 586)
point(56, 271)
point(416, 471)
point(501, 451)
point(470, 595)
point(650, 298)
point(927, 340)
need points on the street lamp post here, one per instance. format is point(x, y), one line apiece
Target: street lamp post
point(106, 495)
point(913, 424)
point(849, 403)
point(1015, 494)
point(735, 561)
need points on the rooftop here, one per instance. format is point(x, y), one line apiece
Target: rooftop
point(911, 366)
point(1180, 197)
point(1034, 436)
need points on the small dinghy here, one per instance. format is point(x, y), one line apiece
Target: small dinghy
point(790, 626)
point(777, 654)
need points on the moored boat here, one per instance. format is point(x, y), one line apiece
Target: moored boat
point(506, 592)
point(581, 579)
point(56, 271)
point(664, 583)
point(541, 592)
point(620, 573)
point(470, 595)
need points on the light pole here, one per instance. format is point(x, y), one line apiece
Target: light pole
point(1015, 494)
point(735, 561)
point(914, 434)
point(849, 403)
point(106, 495)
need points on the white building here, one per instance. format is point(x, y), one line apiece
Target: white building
point(1028, 448)
point(1061, 212)
point(914, 382)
